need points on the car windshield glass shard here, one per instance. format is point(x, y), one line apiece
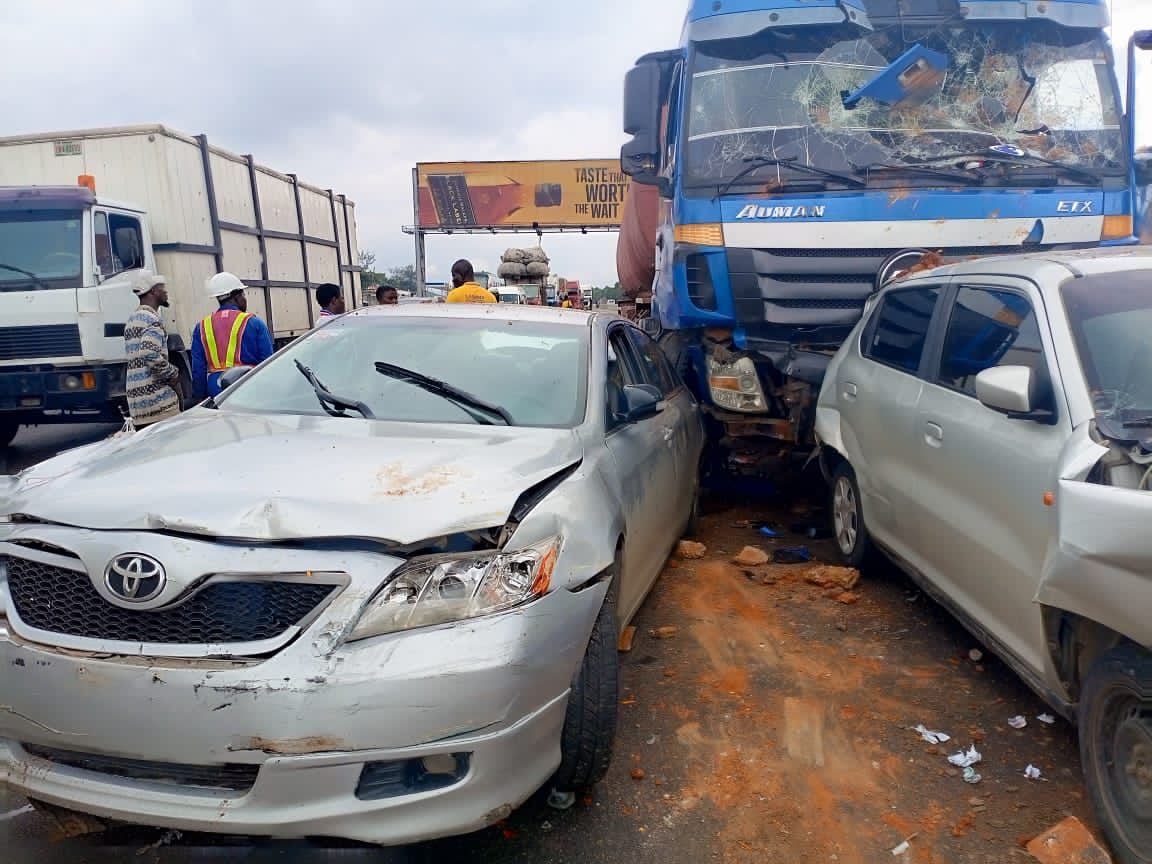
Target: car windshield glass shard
point(527, 373)
point(483, 411)
point(333, 404)
point(1038, 88)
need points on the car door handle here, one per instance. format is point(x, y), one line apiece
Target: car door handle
point(850, 391)
point(668, 433)
point(933, 434)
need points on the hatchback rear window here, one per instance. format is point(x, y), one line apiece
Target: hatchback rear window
point(899, 328)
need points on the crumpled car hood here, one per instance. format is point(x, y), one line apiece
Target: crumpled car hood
point(281, 477)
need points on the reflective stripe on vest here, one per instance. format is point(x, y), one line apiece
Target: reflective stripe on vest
point(223, 326)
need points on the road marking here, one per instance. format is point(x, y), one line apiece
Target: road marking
point(12, 814)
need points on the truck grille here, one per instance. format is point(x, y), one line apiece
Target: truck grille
point(64, 601)
point(232, 778)
point(48, 340)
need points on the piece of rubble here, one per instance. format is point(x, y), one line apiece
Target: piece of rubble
point(751, 556)
point(762, 575)
point(845, 578)
point(847, 598)
point(690, 550)
point(975, 655)
point(1068, 842)
point(637, 773)
point(668, 631)
point(626, 638)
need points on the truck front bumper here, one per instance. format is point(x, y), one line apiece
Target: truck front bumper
point(65, 388)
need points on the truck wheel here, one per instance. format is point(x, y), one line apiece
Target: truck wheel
point(590, 723)
point(1116, 749)
point(848, 528)
point(9, 426)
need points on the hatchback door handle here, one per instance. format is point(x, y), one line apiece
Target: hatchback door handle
point(850, 390)
point(933, 434)
point(668, 433)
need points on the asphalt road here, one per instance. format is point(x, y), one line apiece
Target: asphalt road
point(771, 724)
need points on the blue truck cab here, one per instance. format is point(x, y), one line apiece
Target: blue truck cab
point(807, 150)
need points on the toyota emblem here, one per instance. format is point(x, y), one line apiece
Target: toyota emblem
point(135, 578)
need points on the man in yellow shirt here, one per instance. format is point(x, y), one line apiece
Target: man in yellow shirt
point(467, 289)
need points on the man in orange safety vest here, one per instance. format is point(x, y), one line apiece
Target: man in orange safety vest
point(230, 336)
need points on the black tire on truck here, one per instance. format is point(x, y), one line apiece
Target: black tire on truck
point(590, 723)
point(1116, 749)
point(9, 426)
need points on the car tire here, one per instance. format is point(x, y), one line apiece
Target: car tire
point(853, 542)
point(1116, 749)
point(593, 703)
point(9, 426)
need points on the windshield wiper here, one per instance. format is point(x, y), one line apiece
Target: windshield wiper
point(1137, 423)
point(39, 282)
point(329, 401)
point(480, 411)
point(1017, 157)
point(866, 171)
point(755, 163)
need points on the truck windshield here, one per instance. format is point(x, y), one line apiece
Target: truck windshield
point(1044, 89)
point(40, 250)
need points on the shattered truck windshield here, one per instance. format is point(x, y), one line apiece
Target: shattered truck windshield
point(1043, 89)
point(40, 250)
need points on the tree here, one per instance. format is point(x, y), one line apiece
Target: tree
point(367, 260)
point(403, 277)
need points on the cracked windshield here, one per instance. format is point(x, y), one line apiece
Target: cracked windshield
point(1045, 90)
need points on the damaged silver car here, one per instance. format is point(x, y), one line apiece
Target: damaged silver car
point(989, 426)
point(371, 591)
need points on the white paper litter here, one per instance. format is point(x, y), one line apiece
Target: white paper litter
point(970, 775)
point(1032, 772)
point(975, 655)
point(966, 758)
point(901, 849)
point(930, 736)
point(1046, 719)
point(1018, 722)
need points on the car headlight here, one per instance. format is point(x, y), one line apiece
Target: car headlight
point(456, 587)
point(735, 385)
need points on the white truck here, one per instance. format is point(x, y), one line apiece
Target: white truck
point(81, 211)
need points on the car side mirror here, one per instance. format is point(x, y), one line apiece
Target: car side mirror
point(231, 376)
point(641, 402)
point(1010, 390)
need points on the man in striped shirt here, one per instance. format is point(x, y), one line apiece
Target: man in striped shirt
point(152, 379)
point(330, 300)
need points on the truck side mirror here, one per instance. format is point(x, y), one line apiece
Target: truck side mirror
point(1143, 166)
point(640, 157)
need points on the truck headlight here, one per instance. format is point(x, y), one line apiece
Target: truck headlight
point(736, 386)
point(455, 587)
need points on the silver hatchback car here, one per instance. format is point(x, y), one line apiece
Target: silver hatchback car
point(370, 591)
point(988, 425)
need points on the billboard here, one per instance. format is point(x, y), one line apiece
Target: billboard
point(576, 193)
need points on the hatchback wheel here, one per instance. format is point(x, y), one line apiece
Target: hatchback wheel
point(848, 526)
point(1116, 749)
point(590, 724)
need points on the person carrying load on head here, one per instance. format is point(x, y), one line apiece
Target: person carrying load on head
point(231, 336)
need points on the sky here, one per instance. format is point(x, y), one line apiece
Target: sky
point(350, 94)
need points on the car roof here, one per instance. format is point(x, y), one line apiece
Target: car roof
point(482, 311)
point(1047, 269)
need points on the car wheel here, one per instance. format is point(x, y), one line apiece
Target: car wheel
point(848, 528)
point(1116, 749)
point(8, 429)
point(590, 723)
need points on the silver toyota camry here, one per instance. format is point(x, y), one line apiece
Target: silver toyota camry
point(370, 591)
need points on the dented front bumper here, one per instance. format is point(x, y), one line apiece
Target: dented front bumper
point(286, 745)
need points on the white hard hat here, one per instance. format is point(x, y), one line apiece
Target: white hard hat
point(145, 281)
point(223, 285)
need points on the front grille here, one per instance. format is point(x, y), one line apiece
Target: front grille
point(818, 303)
point(47, 340)
point(957, 251)
point(64, 601)
point(232, 778)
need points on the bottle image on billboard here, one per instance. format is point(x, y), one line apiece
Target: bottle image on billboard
point(460, 204)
